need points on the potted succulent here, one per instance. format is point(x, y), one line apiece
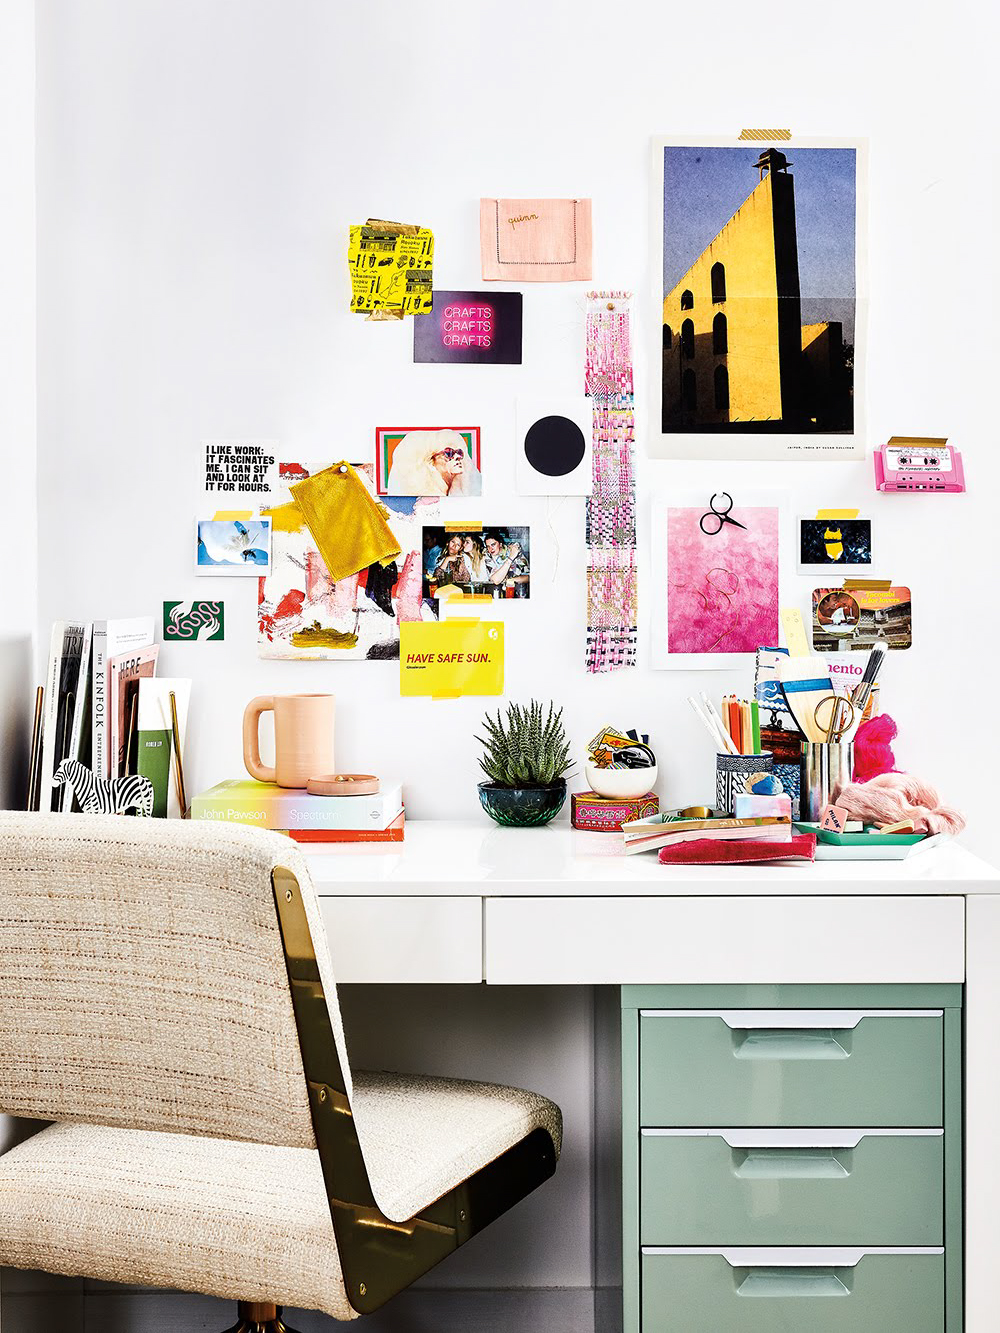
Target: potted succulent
point(525, 758)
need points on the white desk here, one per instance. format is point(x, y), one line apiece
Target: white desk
point(473, 903)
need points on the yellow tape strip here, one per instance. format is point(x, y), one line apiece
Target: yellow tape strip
point(462, 527)
point(765, 134)
point(231, 515)
point(837, 513)
point(867, 585)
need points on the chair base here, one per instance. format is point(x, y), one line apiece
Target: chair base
point(259, 1317)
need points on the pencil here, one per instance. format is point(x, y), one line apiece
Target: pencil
point(755, 721)
point(734, 723)
point(181, 796)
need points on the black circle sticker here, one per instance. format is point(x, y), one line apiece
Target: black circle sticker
point(554, 446)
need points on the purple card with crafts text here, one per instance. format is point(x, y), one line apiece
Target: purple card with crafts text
point(475, 328)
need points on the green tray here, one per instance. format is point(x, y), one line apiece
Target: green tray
point(866, 839)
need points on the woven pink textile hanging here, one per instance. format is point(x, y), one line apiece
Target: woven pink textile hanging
point(612, 594)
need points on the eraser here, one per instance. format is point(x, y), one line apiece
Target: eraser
point(904, 826)
point(747, 806)
point(834, 818)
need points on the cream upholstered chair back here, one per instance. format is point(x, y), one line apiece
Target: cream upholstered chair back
point(142, 978)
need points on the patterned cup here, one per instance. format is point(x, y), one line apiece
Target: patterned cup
point(731, 773)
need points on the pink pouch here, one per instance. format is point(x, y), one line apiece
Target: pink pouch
point(536, 240)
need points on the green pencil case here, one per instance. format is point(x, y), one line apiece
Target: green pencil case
point(869, 838)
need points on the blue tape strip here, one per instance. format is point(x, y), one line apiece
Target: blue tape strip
point(805, 686)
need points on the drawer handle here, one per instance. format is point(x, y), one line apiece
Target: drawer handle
point(790, 1282)
point(792, 1163)
point(792, 1043)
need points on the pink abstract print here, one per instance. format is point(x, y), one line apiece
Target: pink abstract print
point(723, 594)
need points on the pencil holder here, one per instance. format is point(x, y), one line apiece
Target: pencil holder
point(731, 773)
point(826, 767)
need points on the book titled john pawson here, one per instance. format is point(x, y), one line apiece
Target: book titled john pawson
point(263, 805)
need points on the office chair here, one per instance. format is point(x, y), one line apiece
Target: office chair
point(167, 1000)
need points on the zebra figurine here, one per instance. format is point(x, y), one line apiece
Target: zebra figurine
point(105, 796)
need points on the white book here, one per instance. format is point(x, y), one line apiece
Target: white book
point(110, 638)
point(50, 716)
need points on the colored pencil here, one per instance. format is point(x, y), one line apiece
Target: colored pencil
point(755, 717)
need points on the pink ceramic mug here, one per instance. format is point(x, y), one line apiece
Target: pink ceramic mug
point(303, 737)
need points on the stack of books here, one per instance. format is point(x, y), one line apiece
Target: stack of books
point(646, 835)
point(89, 703)
point(306, 818)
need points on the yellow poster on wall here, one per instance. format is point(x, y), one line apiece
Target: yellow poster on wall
point(391, 267)
point(449, 658)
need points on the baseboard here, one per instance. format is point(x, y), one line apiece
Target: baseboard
point(553, 1309)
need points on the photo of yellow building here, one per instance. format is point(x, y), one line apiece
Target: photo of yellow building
point(747, 344)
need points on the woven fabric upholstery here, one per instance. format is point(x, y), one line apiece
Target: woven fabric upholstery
point(142, 980)
point(422, 1136)
point(144, 1005)
point(243, 1220)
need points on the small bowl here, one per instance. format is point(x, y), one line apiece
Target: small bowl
point(621, 784)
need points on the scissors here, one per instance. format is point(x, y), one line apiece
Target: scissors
point(711, 522)
point(834, 729)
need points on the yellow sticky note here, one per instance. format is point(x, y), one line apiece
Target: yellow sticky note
point(837, 513)
point(447, 659)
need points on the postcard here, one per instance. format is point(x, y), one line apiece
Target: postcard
point(234, 547)
point(856, 619)
point(428, 460)
point(474, 560)
point(448, 659)
point(474, 328)
point(759, 288)
point(826, 542)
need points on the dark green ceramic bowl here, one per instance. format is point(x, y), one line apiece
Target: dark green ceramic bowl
point(522, 807)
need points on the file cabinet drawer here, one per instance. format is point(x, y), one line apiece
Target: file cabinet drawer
point(876, 1068)
point(820, 1291)
point(792, 1187)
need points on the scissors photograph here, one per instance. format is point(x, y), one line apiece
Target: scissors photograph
point(713, 518)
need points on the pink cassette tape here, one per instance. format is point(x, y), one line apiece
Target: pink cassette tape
point(918, 465)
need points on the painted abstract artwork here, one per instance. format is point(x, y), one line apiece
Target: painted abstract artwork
point(719, 579)
point(304, 614)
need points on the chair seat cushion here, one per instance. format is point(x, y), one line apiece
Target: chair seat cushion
point(243, 1220)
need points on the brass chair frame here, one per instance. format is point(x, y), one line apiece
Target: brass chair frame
point(380, 1257)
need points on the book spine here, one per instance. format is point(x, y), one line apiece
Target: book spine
point(45, 789)
point(79, 710)
point(99, 700)
point(283, 813)
point(330, 837)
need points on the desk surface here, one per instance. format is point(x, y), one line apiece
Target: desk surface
point(449, 859)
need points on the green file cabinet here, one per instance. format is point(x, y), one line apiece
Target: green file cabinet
point(792, 1159)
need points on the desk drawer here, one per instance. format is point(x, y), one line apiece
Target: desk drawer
point(792, 1187)
point(792, 1291)
point(404, 939)
point(815, 1067)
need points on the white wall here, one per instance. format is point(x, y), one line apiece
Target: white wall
point(17, 390)
point(199, 164)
